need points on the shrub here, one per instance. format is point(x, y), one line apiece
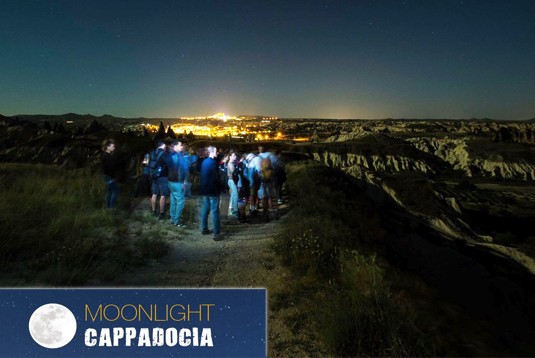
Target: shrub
point(54, 229)
point(364, 319)
point(328, 242)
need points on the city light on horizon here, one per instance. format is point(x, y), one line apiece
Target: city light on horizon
point(221, 125)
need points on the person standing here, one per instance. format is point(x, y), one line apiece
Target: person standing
point(178, 177)
point(268, 189)
point(158, 172)
point(109, 164)
point(253, 171)
point(232, 174)
point(210, 191)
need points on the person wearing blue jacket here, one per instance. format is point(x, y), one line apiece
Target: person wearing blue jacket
point(178, 177)
point(210, 191)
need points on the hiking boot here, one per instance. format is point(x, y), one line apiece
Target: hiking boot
point(206, 232)
point(181, 225)
point(218, 237)
point(161, 216)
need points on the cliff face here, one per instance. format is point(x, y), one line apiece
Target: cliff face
point(374, 169)
point(405, 180)
point(356, 133)
point(457, 152)
point(373, 162)
point(486, 149)
point(417, 196)
point(385, 162)
point(449, 149)
point(506, 170)
point(515, 133)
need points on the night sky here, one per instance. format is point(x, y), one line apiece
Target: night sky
point(316, 59)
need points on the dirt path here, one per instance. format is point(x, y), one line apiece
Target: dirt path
point(195, 260)
point(245, 258)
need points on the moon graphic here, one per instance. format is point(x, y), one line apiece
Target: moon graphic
point(52, 325)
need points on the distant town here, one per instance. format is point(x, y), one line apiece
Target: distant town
point(220, 125)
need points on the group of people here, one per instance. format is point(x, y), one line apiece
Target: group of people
point(254, 178)
point(250, 178)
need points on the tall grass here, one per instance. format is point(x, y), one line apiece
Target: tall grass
point(54, 229)
point(365, 318)
point(328, 242)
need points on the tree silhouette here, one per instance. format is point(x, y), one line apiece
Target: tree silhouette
point(170, 133)
point(145, 132)
point(161, 131)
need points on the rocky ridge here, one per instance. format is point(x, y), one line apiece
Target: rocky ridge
point(457, 153)
point(442, 214)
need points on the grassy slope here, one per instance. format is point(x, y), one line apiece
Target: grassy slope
point(337, 293)
point(55, 231)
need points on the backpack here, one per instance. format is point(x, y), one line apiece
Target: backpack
point(266, 171)
point(155, 169)
point(223, 177)
point(243, 191)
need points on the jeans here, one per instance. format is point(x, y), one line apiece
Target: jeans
point(210, 203)
point(233, 191)
point(177, 201)
point(112, 192)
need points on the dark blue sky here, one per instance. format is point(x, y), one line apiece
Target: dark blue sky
point(331, 59)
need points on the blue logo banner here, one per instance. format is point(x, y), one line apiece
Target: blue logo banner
point(133, 322)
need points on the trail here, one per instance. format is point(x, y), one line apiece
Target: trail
point(244, 258)
point(196, 260)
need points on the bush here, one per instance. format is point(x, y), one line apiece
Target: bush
point(308, 245)
point(328, 242)
point(364, 318)
point(54, 229)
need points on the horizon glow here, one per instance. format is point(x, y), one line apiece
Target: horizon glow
point(301, 59)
